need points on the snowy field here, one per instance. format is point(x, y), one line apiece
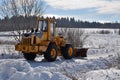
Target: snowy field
point(101, 63)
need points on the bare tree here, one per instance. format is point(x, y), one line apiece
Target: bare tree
point(25, 8)
point(22, 7)
point(74, 36)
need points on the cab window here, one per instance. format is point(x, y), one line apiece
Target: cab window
point(42, 26)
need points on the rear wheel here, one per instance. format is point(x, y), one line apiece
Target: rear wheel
point(51, 53)
point(29, 56)
point(67, 51)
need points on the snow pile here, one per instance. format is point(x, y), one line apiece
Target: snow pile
point(21, 70)
point(109, 74)
point(77, 68)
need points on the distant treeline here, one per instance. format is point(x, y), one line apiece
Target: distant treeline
point(72, 23)
point(20, 23)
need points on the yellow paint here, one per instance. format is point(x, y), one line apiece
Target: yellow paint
point(70, 51)
point(53, 53)
point(42, 48)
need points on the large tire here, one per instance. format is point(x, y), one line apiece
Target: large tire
point(29, 56)
point(51, 53)
point(67, 51)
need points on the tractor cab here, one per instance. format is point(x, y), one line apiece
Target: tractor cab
point(46, 28)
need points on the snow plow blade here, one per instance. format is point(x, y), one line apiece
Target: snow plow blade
point(80, 52)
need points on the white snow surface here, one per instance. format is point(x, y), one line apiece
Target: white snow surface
point(22, 70)
point(108, 74)
point(61, 69)
point(100, 63)
point(80, 69)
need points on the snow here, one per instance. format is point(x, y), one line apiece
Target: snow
point(22, 70)
point(108, 74)
point(11, 69)
point(102, 41)
point(101, 63)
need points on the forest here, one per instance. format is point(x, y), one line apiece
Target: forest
point(22, 23)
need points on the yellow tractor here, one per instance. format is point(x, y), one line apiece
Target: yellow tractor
point(43, 40)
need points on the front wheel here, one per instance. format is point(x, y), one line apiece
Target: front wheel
point(51, 53)
point(67, 51)
point(29, 56)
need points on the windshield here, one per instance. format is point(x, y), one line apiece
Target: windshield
point(42, 26)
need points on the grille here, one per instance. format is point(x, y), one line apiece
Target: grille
point(26, 41)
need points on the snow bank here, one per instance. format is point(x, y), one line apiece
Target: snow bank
point(10, 67)
point(108, 74)
point(76, 68)
point(22, 70)
point(58, 70)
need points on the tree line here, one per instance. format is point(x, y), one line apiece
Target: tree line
point(24, 23)
point(72, 23)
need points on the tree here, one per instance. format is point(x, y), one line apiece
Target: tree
point(25, 8)
point(22, 7)
point(76, 37)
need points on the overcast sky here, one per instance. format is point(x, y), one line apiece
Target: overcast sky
point(90, 10)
